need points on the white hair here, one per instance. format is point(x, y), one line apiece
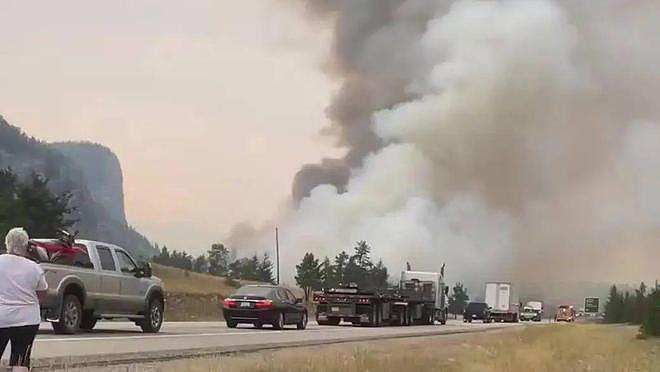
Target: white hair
point(16, 241)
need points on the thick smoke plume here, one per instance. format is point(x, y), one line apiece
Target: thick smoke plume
point(513, 140)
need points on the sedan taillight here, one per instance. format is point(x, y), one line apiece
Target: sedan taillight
point(263, 304)
point(229, 302)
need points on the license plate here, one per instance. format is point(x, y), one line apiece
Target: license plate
point(245, 304)
point(334, 309)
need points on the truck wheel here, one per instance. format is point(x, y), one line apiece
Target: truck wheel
point(88, 321)
point(153, 318)
point(70, 317)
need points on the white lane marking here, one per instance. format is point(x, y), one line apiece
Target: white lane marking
point(139, 337)
point(111, 338)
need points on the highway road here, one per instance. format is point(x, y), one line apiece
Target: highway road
point(114, 342)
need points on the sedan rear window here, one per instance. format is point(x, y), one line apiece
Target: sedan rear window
point(476, 306)
point(254, 291)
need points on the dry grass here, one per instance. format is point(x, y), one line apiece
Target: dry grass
point(540, 348)
point(178, 281)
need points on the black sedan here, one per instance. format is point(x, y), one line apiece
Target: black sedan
point(477, 311)
point(264, 304)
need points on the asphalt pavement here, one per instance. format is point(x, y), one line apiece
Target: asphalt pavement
point(114, 342)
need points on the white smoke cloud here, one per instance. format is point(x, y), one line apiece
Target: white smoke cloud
point(524, 144)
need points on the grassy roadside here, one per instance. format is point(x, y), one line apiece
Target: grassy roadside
point(192, 296)
point(539, 348)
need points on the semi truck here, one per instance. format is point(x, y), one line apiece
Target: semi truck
point(420, 298)
point(498, 297)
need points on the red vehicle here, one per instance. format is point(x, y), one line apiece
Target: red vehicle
point(565, 313)
point(61, 250)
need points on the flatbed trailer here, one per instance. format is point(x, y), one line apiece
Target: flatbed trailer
point(414, 302)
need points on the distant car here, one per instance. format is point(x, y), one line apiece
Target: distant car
point(565, 313)
point(477, 311)
point(264, 304)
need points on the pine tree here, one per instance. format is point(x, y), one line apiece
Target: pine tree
point(308, 275)
point(31, 205)
point(201, 264)
point(651, 325)
point(458, 299)
point(264, 270)
point(341, 261)
point(614, 306)
point(218, 260)
point(328, 275)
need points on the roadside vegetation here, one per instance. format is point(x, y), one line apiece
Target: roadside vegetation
point(558, 347)
point(30, 204)
point(219, 261)
point(639, 308)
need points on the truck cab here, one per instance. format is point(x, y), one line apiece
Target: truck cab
point(90, 280)
point(533, 310)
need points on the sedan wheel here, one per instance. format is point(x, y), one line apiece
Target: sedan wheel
point(279, 323)
point(303, 323)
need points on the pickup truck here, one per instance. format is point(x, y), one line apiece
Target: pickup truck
point(89, 280)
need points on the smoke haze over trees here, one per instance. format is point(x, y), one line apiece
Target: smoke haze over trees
point(219, 261)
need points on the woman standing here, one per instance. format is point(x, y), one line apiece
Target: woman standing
point(22, 283)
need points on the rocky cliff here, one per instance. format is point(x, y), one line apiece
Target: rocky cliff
point(92, 174)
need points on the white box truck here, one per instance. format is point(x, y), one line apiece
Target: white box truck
point(498, 297)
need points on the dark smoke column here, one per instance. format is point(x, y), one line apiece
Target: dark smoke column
point(363, 37)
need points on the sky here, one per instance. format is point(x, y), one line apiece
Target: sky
point(211, 106)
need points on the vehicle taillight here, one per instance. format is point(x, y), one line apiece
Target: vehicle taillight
point(229, 302)
point(363, 300)
point(319, 298)
point(262, 304)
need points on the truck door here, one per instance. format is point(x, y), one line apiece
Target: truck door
point(109, 298)
point(133, 289)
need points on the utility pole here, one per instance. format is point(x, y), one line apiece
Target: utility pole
point(277, 252)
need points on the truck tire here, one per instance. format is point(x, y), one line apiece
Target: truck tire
point(70, 316)
point(88, 321)
point(153, 317)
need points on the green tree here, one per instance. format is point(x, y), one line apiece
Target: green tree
point(651, 325)
point(640, 304)
point(339, 267)
point(218, 261)
point(32, 206)
point(378, 275)
point(458, 299)
point(308, 275)
point(328, 275)
point(359, 266)
point(628, 307)
point(201, 264)
point(614, 306)
point(264, 270)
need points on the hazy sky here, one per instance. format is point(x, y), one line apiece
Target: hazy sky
point(211, 106)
